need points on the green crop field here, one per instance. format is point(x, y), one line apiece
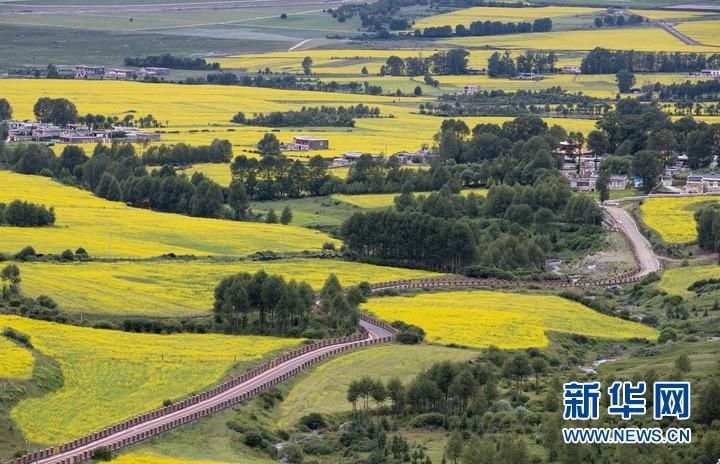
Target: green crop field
point(384, 200)
point(324, 388)
point(177, 288)
point(110, 375)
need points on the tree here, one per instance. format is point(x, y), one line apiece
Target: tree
point(699, 148)
point(11, 273)
point(517, 367)
point(364, 71)
point(5, 109)
point(271, 217)
point(598, 21)
point(539, 367)
point(59, 111)
point(292, 454)
point(709, 406)
point(479, 451)
point(454, 447)
point(602, 185)
point(598, 142)
point(269, 145)
point(683, 364)
point(418, 91)
point(395, 66)
point(625, 80)
point(238, 199)
point(583, 209)
point(647, 165)
point(286, 215)
point(307, 63)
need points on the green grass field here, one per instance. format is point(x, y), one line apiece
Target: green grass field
point(323, 389)
point(110, 375)
point(177, 288)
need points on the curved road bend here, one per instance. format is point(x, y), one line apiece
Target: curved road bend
point(644, 254)
point(374, 333)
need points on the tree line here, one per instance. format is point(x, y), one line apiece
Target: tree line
point(500, 102)
point(171, 61)
point(504, 64)
point(268, 304)
point(700, 91)
point(604, 61)
point(20, 213)
point(322, 116)
point(618, 20)
point(116, 173)
point(219, 151)
point(285, 81)
point(453, 61)
point(484, 28)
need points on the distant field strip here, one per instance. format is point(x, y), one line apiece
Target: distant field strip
point(16, 362)
point(705, 32)
point(673, 218)
point(503, 14)
point(324, 389)
point(384, 200)
point(677, 280)
point(106, 228)
point(177, 288)
point(145, 457)
point(111, 375)
point(641, 39)
point(507, 320)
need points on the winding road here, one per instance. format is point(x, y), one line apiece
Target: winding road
point(372, 331)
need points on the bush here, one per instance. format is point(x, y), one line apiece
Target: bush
point(432, 419)
point(102, 453)
point(313, 421)
point(67, 255)
point(17, 336)
point(26, 254)
point(253, 439)
point(46, 302)
point(319, 446)
point(667, 334)
point(167, 403)
point(408, 334)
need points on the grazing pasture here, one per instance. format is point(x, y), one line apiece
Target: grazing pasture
point(507, 320)
point(677, 280)
point(112, 229)
point(324, 388)
point(178, 288)
point(16, 362)
point(673, 218)
point(110, 376)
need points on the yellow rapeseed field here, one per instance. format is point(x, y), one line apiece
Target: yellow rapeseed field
point(673, 218)
point(677, 280)
point(203, 112)
point(668, 14)
point(383, 200)
point(485, 13)
point(110, 375)
point(705, 32)
point(106, 228)
point(507, 320)
point(177, 288)
point(16, 362)
point(642, 39)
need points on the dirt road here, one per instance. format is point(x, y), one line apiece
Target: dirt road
point(646, 258)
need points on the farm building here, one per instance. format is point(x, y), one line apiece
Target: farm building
point(470, 89)
point(305, 142)
point(89, 72)
point(703, 183)
point(569, 69)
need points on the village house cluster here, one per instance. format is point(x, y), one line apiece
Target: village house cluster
point(32, 131)
point(81, 71)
